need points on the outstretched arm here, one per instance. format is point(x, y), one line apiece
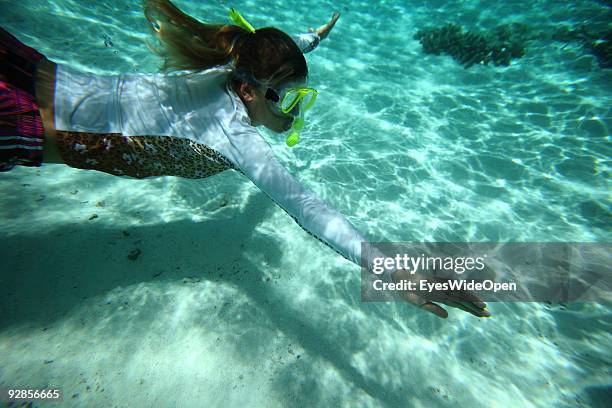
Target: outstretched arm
point(309, 41)
point(324, 30)
point(254, 158)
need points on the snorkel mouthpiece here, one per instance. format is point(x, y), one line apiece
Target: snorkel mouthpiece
point(294, 134)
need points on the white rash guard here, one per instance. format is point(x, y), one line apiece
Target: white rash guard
point(202, 107)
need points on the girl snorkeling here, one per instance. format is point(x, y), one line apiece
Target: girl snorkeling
point(193, 123)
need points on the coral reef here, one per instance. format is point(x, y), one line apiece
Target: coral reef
point(499, 46)
point(597, 43)
point(602, 49)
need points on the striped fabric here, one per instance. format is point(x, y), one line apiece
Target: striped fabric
point(21, 130)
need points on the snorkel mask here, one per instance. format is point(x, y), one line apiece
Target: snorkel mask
point(293, 99)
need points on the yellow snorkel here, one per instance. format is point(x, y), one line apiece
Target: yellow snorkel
point(240, 21)
point(294, 133)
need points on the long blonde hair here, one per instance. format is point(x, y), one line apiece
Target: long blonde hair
point(268, 55)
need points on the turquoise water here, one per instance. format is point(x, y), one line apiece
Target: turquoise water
point(231, 303)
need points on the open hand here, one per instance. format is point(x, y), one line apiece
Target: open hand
point(461, 299)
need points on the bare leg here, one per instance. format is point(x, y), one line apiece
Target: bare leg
point(324, 30)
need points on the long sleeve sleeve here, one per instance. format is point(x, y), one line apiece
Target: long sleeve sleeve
point(307, 41)
point(251, 155)
point(254, 158)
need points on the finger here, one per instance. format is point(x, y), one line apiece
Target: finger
point(479, 308)
point(465, 297)
point(480, 305)
point(470, 297)
point(421, 303)
point(462, 306)
point(470, 308)
point(475, 306)
point(435, 309)
point(413, 298)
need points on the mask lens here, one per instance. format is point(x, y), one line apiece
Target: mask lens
point(302, 96)
point(308, 100)
point(290, 100)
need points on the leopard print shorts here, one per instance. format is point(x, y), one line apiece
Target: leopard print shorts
point(140, 156)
